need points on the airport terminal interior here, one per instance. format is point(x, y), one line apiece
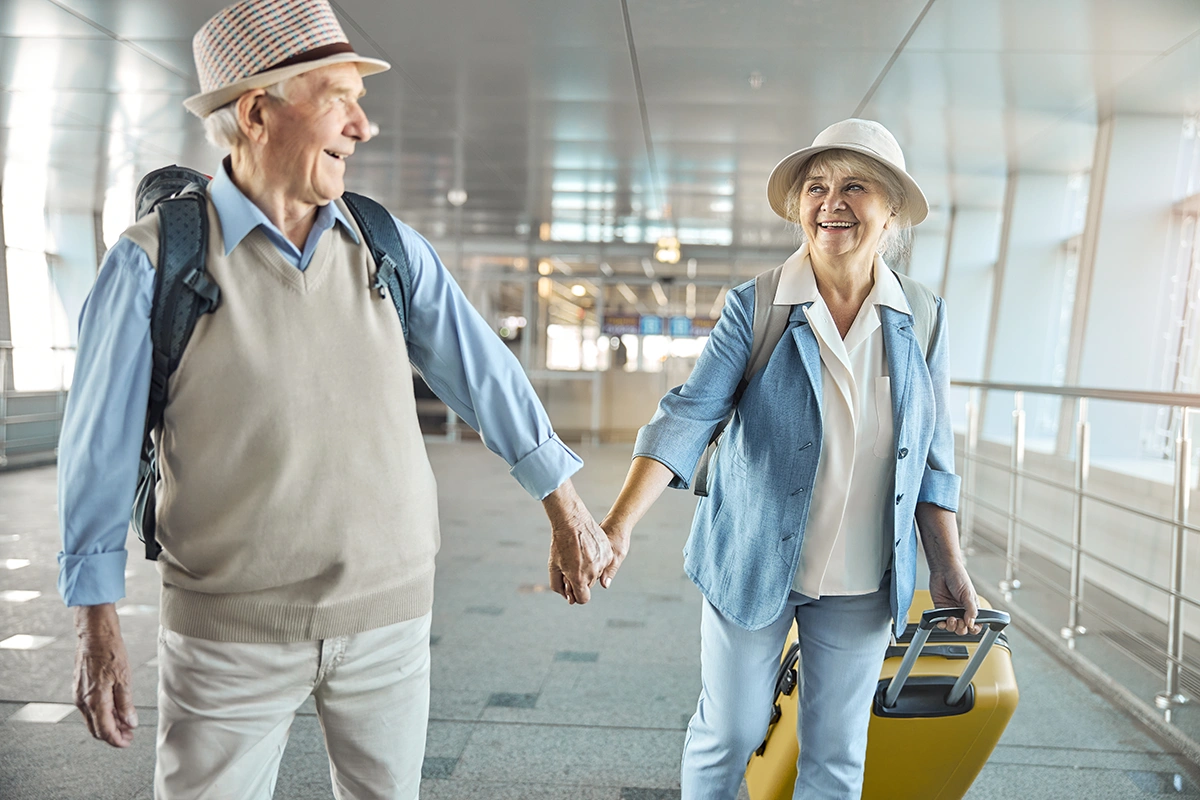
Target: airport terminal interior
point(593, 174)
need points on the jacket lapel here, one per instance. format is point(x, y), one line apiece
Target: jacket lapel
point(810, 350)
point(900, 345)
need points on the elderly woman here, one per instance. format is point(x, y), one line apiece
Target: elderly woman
point(837, 445)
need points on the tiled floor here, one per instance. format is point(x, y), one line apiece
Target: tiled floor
point(531, 698)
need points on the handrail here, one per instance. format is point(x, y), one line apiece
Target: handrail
point(1120, 395)
point(1053, 484)
point(1179, 600)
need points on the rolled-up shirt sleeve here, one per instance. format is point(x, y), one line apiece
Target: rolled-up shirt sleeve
point(471, 369)
point(99, 448)
point(687, 415)
point(939, 484)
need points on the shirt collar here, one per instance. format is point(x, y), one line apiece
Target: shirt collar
point(798, 284)
point(239, 215)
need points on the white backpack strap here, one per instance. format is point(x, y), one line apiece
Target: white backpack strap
point(923, 303)
point(770, 321)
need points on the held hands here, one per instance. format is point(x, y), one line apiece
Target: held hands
point(579, 550)
point(950, 587)
point(102, 676)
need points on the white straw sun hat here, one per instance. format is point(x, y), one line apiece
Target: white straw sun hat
point(257, 43)
point(862, 136)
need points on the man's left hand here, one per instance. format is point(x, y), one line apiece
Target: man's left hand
point(951, 587)
point(579, 550)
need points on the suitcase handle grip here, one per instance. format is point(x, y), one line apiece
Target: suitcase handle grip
point(994, 621)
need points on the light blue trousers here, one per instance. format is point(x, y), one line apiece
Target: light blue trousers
point(842, 644)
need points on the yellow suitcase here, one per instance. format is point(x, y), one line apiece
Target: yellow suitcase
point(918, 746)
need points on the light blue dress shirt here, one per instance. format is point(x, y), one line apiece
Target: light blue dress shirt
point(461, 358)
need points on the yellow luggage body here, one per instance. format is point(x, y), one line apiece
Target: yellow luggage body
point(920, 749)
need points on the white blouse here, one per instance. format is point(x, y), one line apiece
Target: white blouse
point(847, 543)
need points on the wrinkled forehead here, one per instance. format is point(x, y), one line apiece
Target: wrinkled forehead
point(334, 80)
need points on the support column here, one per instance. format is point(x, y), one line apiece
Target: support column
point(949, 246)
point(1119, 323)
point(6, 335)
point(1083, 276)
point(989, 346)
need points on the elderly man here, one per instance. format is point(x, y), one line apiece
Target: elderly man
point(297, 510)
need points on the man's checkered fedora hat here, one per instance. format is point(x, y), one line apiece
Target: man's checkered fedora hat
point(256, 43)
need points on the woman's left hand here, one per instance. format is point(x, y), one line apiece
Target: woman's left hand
point(951, 587)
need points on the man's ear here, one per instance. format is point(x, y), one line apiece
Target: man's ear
point(250, 115)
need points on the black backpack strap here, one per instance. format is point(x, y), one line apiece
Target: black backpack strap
point(182, 292)
point(392, 272)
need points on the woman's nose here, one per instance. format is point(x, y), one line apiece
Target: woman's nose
point(833, 200)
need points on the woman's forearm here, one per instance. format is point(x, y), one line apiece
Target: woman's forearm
point(939, 535)
point(644, 484)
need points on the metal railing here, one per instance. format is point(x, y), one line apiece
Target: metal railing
point(30, 421)
point(1080, 554)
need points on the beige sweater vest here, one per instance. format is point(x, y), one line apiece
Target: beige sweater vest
point(296, 501)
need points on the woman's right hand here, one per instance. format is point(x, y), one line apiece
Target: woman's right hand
point(618, 538)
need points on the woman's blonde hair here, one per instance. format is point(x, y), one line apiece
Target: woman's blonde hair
point(896, 242)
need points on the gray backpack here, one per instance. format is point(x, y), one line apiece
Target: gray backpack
point(770, 321)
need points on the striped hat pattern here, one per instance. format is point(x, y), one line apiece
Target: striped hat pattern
point(257, 35)
point(255, 43)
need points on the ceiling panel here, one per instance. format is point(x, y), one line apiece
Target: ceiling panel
point(1058, 26)
point(532, 105)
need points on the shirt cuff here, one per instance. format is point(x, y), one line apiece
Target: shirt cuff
point(543, 470)
point(92, 580)
point(940, 488)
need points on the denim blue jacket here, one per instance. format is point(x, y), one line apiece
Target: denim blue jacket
point(744, 547)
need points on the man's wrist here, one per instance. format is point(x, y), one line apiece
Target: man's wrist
point(96, 620)
point(564, 503)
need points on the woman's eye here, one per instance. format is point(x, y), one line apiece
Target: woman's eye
point(857, 186)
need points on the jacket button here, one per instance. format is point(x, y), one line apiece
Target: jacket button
point(898, 498)
point(903, 452)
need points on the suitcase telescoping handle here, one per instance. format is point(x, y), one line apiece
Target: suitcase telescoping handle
point(994, 621)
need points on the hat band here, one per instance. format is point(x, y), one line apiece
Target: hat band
point(317, 53)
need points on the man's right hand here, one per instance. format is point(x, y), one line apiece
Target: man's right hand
point(103, 681)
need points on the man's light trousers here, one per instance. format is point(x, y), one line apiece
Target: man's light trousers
point(225, 711)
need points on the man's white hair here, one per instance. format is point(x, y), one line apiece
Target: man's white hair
point(221, 126)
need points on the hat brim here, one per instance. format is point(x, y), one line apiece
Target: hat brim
point(205, 103)
point(785, 173)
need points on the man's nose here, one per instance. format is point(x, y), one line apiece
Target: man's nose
point(359, 127)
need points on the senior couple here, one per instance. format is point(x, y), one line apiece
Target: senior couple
point(298, 547)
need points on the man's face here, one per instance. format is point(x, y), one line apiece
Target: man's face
point(310, 136)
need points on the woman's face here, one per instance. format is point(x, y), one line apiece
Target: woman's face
point(843, 214)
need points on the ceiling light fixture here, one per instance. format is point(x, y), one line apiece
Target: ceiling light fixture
point(457, 196)
point(666, 251)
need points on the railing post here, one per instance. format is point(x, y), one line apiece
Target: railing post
point(1083, 448)
point(4, 346)
point(1016, 466)
point(970, 445)
point(1183, 488)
